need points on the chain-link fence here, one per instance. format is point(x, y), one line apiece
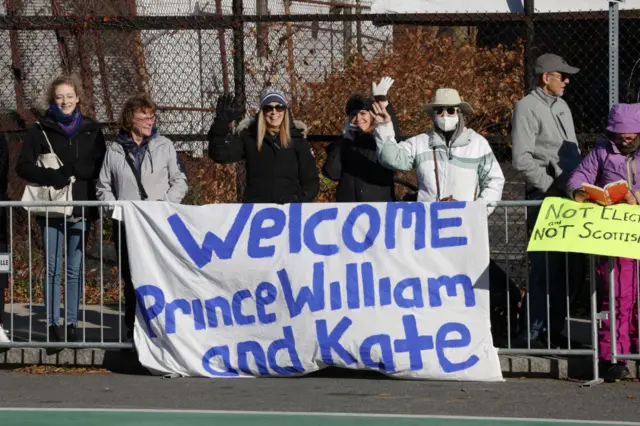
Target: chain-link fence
point(186, 53)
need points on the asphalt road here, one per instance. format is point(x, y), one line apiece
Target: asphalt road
point(332, 392)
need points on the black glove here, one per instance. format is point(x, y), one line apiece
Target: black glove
point(60, 180)
point(228, 109)
point(67, 170)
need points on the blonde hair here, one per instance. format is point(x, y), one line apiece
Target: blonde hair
point(285, 130)
point(70, 80)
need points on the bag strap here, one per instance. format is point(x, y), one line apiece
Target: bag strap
point(143, 193)
point(49, 143)
point(435, 170)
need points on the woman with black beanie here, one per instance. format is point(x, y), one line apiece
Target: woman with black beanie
point(352, 161)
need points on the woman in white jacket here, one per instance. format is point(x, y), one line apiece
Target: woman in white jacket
point(452, 162)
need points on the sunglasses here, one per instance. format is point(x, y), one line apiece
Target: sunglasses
point(561, 75)
point(268, 108)
point(449, 110)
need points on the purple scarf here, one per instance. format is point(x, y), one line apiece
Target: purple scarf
point(68, 123)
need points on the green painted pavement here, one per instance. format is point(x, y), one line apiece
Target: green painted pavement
point(36, 417)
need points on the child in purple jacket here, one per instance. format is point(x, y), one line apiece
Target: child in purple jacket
point(615, 158)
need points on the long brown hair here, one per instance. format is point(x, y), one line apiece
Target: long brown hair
point(68, 79)
point(285, 130)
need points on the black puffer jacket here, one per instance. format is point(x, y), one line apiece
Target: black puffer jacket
point(354, 164)
point(82, 155)
point(274, 174)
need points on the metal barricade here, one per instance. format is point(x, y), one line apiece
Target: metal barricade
point(100, 320)
point(506, 216)
point(612, 314)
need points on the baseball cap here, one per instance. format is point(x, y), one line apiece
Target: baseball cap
point(553, 63)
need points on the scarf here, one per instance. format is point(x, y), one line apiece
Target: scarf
point(137, 151)
point(68, 123)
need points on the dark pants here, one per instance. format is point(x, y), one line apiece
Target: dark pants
point(551, 267)
point(129, 291)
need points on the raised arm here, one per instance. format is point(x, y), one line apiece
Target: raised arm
point(224, 147)
point(391, 154)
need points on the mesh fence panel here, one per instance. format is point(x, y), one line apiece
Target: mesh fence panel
point(185, 54)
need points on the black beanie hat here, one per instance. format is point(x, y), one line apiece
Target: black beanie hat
point(358, 103)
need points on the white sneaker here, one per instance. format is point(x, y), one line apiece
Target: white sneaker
point(3, 336)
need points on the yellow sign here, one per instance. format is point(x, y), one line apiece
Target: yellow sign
point(566, 226)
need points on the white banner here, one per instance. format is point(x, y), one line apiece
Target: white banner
point(272, 290)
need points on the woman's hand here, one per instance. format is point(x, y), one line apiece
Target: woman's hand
point(350, 131)
point(629, 198)
point(381, 89)
point(228, 109)
point(380, 113)
point(580, 196)
point(449, 198)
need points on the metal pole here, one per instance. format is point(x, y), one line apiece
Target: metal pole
point(223, 49)
point(613, 53)
point(238, 52)
point(529, 51)
point(612, 311)
point(290, 59)
point(358, 29)
point(594, 325)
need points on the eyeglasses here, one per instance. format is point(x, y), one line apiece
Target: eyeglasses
point(268, 108)
point(449, 110)
point(145, 119)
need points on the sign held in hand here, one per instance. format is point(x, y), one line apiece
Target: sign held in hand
point(564, 225)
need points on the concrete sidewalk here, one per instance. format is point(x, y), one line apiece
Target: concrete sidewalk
point(106, 325)
point(27, 323)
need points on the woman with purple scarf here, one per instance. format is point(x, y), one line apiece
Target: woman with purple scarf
point(79, 143)
point(615, 157)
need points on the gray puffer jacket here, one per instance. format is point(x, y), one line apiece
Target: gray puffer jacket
point(162, 175)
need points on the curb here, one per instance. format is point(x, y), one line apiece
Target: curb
point(126, 361)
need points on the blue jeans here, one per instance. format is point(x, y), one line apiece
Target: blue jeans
point(53, 248)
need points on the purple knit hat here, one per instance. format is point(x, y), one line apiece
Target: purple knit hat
point(624, 118)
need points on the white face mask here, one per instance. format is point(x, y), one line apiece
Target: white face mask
point(446, 123)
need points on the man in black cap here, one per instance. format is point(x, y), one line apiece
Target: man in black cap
point(546, 151)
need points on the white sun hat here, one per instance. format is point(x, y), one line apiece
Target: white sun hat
point(446, 98)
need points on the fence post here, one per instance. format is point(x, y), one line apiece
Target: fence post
point(238, 52)
point(529, 52)
point(613, 53)
point(291, 66)
point(13, 8)
point(223, 48)
point(62, 42)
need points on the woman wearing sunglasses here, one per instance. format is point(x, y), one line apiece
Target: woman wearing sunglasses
point(279, 162)
point(352, 161)
point(452, 161)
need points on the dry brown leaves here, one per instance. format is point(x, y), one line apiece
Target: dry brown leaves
point(52, 369)
point(490, 79)
point(92, 295)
